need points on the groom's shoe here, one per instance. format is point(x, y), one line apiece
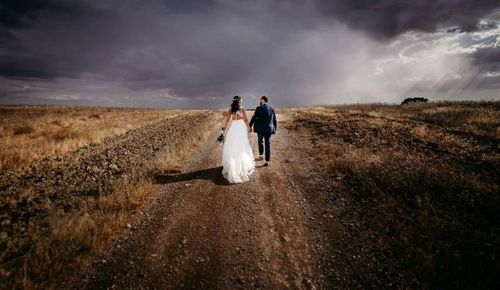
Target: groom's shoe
point(266, 164)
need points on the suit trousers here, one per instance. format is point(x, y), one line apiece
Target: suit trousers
point(266, 138)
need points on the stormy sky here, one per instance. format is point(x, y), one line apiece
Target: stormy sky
point(198, 54)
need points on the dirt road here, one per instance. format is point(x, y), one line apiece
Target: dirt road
point(204, 233)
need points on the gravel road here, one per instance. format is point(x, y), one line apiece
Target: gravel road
point(204, 233)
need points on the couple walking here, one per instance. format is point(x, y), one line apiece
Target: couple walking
point(238, 162)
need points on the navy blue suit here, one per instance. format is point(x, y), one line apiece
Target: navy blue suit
point(264, 124)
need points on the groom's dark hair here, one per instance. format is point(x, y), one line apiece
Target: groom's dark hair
point(265, 98)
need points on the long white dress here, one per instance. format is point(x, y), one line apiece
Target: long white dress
point(237, 156)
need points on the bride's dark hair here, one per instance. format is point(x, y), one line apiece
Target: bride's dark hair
point(235, 105)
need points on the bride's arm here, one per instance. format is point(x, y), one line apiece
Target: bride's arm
point(228, 116)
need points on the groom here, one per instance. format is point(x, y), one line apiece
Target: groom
point(264, 124)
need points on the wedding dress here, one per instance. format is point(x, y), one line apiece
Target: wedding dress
point(237, 156)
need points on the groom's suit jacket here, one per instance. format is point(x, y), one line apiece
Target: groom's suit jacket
point(264, 120)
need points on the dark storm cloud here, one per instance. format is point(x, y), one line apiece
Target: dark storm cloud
point(389, 18)
point(487, 56)
point(487, 62)
point(12, 66)
point(188, 6)
point(23, 13)
point(193, 53)
point(188, 48)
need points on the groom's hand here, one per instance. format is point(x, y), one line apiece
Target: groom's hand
point(250, 130)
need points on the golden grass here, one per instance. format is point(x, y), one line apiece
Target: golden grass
point(72, 238)
point(480, 119)
point(64, 242)
point(28, 133)
point(424, 133)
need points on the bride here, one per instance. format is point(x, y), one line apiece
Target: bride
point(237, 157)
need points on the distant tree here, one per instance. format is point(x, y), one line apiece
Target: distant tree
point(414, 100)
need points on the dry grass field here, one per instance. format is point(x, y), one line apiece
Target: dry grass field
point(357, 196)
point(45, 233)
point(29, 133)
point(425, 179)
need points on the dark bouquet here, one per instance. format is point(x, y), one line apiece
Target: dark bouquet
point(221, 136)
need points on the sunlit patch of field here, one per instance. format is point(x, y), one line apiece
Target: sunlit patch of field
point(28, 133)
point(41, 250)
point(479, 119)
